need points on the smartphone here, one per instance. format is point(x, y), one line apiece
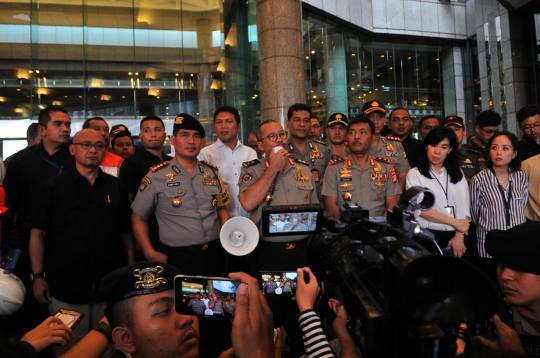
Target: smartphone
point(69, 318)
point(281, 283)
point(193, 295)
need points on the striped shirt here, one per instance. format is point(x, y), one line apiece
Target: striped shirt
point(315, 341)
point(488, 210)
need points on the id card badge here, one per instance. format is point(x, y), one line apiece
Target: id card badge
point(315, 174)
point(450, 211)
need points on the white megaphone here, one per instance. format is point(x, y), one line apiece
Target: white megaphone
point(239, 236)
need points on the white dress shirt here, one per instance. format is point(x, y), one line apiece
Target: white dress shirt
point(229, 163)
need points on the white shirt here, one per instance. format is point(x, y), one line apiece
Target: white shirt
point(229, 163)
point(458, 196)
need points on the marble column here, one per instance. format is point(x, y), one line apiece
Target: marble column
point(281, 68)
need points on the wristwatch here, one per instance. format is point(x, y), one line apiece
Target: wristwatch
point(35, 276)
point(105, 329)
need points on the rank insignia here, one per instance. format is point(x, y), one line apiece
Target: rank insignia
point(390, 147)
point(176, 170)
point(149, 277)
point(384, 160)
point(306, 196)
point(394, 175)
point(467, 161)
point(299, 175)
point(250, 163)
point(347, 196)
point(208, 179)
point(176, 202)
point(159, 166)
point(147, 180)
point(247, 177)
point(345, 185)
point(178, 120)
point(336, 159)
point(349, 162)
point(142, 186)
point(393, 138)
point(170, 177)
point(291, 161)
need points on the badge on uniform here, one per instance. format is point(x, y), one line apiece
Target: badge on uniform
point(345, 185)
point(142, 186)
point(247, 177)
point(379, 194)
point(344, 172)
point(306, 196)
point(208, 179)
point(180, 191)
point(347, 196)
point(379, 184)
point(149, 277)
point(390, 147)
point(147, 180)
point(170, 177)
point(173, 184)
point(299, 175)
point(394, 175)
point(214, 202)
point(176, 203)
point(176, 170)
point(467, 161)
point(315, 174)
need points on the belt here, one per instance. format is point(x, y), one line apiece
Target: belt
point(285, 245)
point(193, 248)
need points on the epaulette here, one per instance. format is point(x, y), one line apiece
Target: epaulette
point(301, 162)
point(250, 163)
point(337, 160)
point(213, 166)
point(318, 141)
point(393, 138)
point(382, 160)
point(159, 166)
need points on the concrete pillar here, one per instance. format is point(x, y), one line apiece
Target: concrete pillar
point(336, 77)
point(281, 69)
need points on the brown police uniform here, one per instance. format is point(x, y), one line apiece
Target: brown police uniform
point(316, 155)
point(470, 161)
point(185, 206)
point(392, 149)
point(368, 187)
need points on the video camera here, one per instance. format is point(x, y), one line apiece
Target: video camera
point(401, 299)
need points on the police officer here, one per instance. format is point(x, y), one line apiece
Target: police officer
point(197, 305)
point(278, 180)
point(336, 131)
point(471, 161)
point(312, 152)
point(189, 200)
point(386, 147)
point(360, 178)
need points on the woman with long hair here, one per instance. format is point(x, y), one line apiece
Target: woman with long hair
point(499, 195)
point(438, 170)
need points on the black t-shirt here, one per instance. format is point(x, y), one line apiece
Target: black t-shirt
point(83, 225)
point(527, 148)
point(135, 167)
point(414, 149)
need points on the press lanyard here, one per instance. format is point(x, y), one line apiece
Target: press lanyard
point(505, 201)
point(445, 191)
point(51, 163)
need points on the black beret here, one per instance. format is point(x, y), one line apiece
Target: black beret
point(373, 106)
point(186, 121)
point(338, 118)
point(141, 278)
point(517, 248)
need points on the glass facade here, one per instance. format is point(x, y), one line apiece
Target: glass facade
point(345, 69)
point(123, 60)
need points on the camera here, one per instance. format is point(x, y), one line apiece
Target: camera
point(399, 296)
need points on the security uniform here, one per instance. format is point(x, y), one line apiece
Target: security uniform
point(368, 187)
point(391, 148)
point(316, 155)
point(185, 207)
point(470, 161)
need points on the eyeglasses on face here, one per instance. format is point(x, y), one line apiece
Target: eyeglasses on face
point(88, 145)
point(489, 131)
point(274, 136)
point(528, 128)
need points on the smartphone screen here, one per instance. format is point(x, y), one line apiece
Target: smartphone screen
point(279, 283)
point(205, 296)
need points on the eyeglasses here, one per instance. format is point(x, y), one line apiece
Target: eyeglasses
point(273, 137)
point(535, 126)
point(88, 145)
point(491, 131)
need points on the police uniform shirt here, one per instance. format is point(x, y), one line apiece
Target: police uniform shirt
point(316, 155)
point(391, 148)
point(368, 187)
point(344, 152)
point(135, 167)
point(184, 204)
point(197, 306)
point(471, 161)
point(294, 186)
point(528, 331)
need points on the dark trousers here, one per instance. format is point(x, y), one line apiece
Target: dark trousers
point(203, 260)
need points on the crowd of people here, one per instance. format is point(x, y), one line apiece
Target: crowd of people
point(83, 205)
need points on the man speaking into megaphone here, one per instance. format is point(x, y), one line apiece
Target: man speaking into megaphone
point(189, 199)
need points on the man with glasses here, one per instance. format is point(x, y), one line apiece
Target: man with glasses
point(529, 122)
point(229, 154)
point(400, 126)
point(111, 162)
point(278, 180)
point(254, 144)
point(336, 131)
point(486, 125)
point(190, 203)
point(80, 231)
point(312, 152)
point(386, 147)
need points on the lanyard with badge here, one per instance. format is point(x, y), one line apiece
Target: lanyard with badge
point(506, 201)
point(449, 208)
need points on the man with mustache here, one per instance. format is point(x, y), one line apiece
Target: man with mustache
point(80, 231)
point(360, 178)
